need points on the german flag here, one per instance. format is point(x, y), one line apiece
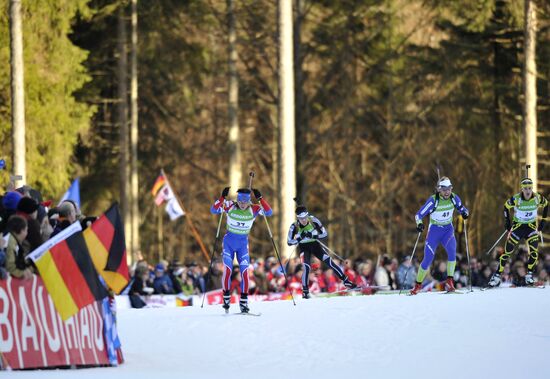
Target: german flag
point(68, 272)
point(106, 243)
point(159, 183)
point(184, 302)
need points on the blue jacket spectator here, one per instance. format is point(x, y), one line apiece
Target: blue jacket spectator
point(162, 283)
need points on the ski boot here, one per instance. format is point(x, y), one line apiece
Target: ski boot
point(529, 280)
point(305, 293)
point(243, 303)
point(416, 289)
point(349, 284)
point(495, 280)
point(226, 300)
point(449, 284)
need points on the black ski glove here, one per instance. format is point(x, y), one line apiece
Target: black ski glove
point(541, 226)
point(257, 193)
point(420, 227)
point(225, 191)
point(465, 215)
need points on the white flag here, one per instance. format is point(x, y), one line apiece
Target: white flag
point(173, 209)
point(165, 194)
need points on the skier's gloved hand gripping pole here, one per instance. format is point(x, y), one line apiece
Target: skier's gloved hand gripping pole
point(224, 194)
point(410, 259)
point(251, 174)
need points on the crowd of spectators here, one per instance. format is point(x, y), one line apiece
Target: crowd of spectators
point(26, 222)
point(383, 274)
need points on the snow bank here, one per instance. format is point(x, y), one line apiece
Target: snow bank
point(502, 333)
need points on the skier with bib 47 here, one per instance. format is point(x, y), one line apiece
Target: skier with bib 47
point(240, 217)
point(524, 226)
point(306, 232)
point(440, 207)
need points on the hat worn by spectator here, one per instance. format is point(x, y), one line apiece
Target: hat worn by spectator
point(27, 205)
point(11, 199)
point(159, 267)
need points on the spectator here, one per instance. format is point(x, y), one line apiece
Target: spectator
point(16, 263)
point(9, 205)
point(260, 276)
point(162, 283)
point(440, 273)
point(406, 274)
point(195, 272)
point(139, 287)
point(215, 280)
point(366, 273)
point(67, 216)
point(484, 278)
point(28, 209)
point(384, 275)
point(331, 283)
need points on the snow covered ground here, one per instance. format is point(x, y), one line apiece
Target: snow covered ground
point(502, 333)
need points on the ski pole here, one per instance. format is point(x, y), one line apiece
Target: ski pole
point(251, 174)
point(410, 261)
point(468, 253)
point(496, 243)
point(212, 257)
point(330, 251)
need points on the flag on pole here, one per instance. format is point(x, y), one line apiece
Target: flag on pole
point(106, 243)
point(68, 273)
point(159, 183)
point(73, 193)
point(163, 193)
point(173, 208)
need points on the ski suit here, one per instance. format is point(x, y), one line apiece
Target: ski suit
point(235, 241)
point(298, 234)
point(524, 226)
point(440, 230)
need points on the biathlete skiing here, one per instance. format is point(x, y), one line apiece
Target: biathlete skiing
point(305, 233)
point(524, 226)
point(440, 207)
point(240, 217)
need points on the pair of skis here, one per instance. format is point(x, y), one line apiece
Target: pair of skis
point(242, 313)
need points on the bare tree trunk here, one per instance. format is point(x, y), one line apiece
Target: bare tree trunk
point(530, 89)
point(286, 122)
point(235, 160)
point(17, 92)
point(134, 179)
point(122, 112)
point(300, 111)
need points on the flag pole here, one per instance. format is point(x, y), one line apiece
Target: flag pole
point(194, 230)
point(160, 236)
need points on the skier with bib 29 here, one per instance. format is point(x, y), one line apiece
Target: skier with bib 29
point(524, 226)
point(240, 217)
point(440, 207)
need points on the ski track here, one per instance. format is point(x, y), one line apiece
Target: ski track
point(490, 334)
